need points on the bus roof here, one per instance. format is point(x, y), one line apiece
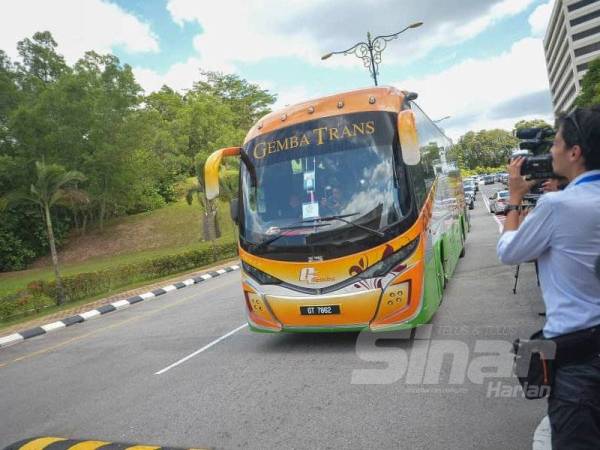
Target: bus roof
point(386, 98)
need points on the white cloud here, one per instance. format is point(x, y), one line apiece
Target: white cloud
point(240, 31)
point(469, 91)
point(180, 76)
point(77, 26)
point(540, 17)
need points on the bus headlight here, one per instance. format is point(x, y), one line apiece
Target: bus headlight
point(259, 275)
point(383, 267)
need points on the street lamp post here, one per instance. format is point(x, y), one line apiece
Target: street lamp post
point(370, 51)
point(439, 120)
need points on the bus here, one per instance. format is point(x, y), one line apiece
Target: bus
point(344, 222)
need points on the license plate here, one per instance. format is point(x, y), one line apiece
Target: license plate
point(324, 310)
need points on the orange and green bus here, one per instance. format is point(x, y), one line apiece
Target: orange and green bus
point(350, 216)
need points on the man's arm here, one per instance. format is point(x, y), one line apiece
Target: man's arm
point(533, 235)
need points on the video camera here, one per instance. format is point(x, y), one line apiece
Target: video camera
point(537, 141)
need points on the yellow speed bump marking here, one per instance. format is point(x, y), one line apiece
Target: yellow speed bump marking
point(88, 445)
point(40, 443)
point(43, 442)
point(142, 447)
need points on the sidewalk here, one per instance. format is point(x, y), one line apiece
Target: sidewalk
point(39, 321)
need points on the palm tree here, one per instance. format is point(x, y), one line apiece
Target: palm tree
point(51, 186)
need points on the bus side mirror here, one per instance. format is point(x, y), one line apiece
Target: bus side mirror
point(409, 139)
point(234, 210)
point(211, 170)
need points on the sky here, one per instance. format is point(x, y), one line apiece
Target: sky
point(481, 62)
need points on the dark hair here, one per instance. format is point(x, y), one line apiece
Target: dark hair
point(588, 120)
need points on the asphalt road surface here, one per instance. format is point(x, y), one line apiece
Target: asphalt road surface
point(113, 378)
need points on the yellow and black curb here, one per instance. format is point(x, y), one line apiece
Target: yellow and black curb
point(14, 338)
point(57, 443)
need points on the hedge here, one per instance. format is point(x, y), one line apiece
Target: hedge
point(39, 294)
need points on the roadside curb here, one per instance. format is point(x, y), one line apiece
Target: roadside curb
point(20, 336)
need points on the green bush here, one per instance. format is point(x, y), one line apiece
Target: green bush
point(23, 303)
point(90, 284)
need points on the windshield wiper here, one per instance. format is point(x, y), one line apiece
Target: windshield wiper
point(342, 218)
point(282, 233)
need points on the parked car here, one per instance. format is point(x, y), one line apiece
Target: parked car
point(470, 184)
point(488, 179)
point(470, 199)
point(498, 202)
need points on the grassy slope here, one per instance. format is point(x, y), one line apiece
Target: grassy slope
point(172, 229)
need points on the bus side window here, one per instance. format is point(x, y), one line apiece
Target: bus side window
point(417, 176)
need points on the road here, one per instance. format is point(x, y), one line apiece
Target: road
point(112, 378)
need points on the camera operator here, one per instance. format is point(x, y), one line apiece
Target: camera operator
point(563, 233)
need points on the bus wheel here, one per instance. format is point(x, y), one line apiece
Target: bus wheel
point(443, 274)
point(463, 251)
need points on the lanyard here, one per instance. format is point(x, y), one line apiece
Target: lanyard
point(588, 179)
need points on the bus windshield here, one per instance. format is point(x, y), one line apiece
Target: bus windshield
point(333, 173)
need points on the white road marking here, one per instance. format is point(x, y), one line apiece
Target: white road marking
point(188, 282)
point(487, 207)
point(206, 276)
point(221, 271)
point(147, 295)
point(487, 203)
point(169, 288)
point(206, 347)
point(500, 224)
point(54, 326)
point(542, 437)
point(236, 267)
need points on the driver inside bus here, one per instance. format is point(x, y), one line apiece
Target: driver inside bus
point(333, 201)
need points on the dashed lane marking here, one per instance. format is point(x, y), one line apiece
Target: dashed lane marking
point(206, 347)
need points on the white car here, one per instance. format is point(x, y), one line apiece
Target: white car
point(498, 202)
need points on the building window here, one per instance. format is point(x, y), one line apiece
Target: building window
point(582, 67)
point(556, 30)
point(561, 73)
point(560, 47)
point(585, 18)
point(586, 33)
point(568, 80)
point(587, 49)
point(566, 100)
point(575, 6)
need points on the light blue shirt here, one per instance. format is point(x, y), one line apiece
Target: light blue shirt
point(563, 233)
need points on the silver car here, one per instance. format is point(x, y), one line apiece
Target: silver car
point(498, 202)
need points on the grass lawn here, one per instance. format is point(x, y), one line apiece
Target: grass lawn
point(169, 230)
point(54, 309)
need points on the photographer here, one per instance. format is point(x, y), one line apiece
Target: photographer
point(563, 234)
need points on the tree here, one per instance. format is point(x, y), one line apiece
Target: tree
point(51, 186)
point(247, 101)
point(41, 63)
point(490, 148)
point(535, 123)
point(590, 86)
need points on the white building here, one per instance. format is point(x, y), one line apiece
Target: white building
point(572, 40)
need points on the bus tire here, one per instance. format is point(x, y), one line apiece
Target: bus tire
point(443, 274)
point(462, 251)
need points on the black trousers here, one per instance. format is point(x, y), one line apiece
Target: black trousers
point(574, 407)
